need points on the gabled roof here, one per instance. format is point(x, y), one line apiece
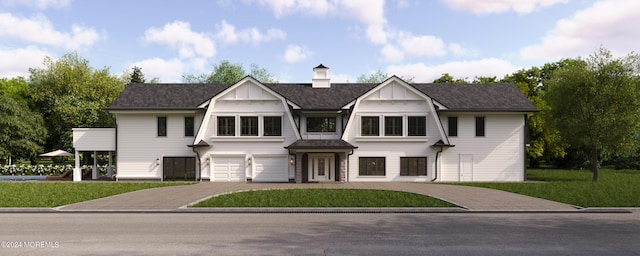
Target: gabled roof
point(165, 96)
point(478, 97)
point(455, 97)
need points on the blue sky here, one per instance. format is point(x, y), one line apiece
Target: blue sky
point(408, 38)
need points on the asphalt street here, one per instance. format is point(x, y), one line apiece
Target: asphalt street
point(320, 234)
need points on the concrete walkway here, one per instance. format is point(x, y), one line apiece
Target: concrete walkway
point(178, 197)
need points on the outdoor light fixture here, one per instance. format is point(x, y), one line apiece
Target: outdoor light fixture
point(292, 161)
point(208, 161)
point(249, 161)
point(157, 161)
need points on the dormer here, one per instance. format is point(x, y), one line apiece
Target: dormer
point(321, 77)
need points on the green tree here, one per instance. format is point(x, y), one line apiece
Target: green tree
point(594, 104)
point(70, 93)
point(545, 141)
point(137, 77)
point(378, 77)
point(448, 79)
point(22, 131)
point(226, 72)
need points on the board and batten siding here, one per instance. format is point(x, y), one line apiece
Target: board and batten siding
point(249, 99)
point(497, 156)
point(140, 147)
point(394, 99)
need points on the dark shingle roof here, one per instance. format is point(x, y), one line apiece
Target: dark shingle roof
point(478, 97)
point(165, 96)
point(455, 97)
point(332, 98)
point(320, 144)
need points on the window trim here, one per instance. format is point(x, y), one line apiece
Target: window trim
point(161, 126)
point(418, 171)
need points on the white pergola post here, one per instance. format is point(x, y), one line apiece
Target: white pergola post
point(109, 168)
point(77, 174)
point(94, 173)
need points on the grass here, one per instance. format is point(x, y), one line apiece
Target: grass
point(614, 189)
point(53, 194)
point(323, 198)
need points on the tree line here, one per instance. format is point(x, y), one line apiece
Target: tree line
point(588, 106)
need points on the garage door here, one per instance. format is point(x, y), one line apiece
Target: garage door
point(228, 168)
point(271, 169)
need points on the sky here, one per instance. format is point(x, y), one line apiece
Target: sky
point(408, 38)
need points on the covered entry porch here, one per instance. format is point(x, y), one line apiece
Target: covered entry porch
point(320, 160)
point(94, 140)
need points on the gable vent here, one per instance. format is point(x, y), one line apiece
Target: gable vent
point(320, 77)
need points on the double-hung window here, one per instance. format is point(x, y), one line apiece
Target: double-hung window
point(413, 166)
point(392, 126)
point(370, 126)
point(189, 126)
point(272, 126)
point(248, 126)
point(226, 126)
point(372, 166)
point(452, 123)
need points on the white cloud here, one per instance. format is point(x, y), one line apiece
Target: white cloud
point(39, 30)
point(178, 35)
point(296, 53)
point(422, 73)
point(342, 78)
point(406, 45)
point(20, 61)
point(370, 13)
point(227, 33)
point(40, 4)
point(500, 6)
point(611, 24)
point(392, 53)
point(166, 70)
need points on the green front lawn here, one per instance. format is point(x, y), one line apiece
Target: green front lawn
point(323, 198)
point(614, 189)
point(53, 194)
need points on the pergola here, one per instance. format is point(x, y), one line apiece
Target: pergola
point(93, 140)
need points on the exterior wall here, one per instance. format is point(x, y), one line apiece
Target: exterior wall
point(98, 139)
point(249, 99)
point(139, 148)
point(392, 100)
point(498, 156)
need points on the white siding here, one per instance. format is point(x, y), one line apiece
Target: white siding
point(250, 99)
point(394, 99)
point(98, 139)
point(139, 146)
point(498, 156)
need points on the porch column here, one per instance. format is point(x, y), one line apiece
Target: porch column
point(94, 171)
point(343, 166)
point(299, 167)
point(77, 174)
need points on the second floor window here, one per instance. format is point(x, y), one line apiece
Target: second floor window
point(321, 124)
point(249, 126)
point(189, 126)
point(162, 126)
point(452, 122)
point(370, 126)
point(272, 126)
point(480, 126)
point(417, 126)
point(392, 126)
point(226, 126)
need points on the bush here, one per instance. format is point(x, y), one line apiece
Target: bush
point(46, 170)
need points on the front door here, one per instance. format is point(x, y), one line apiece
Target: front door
point(466, 167)
point(321, 167)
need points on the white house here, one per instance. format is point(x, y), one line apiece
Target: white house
point(321, 131)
